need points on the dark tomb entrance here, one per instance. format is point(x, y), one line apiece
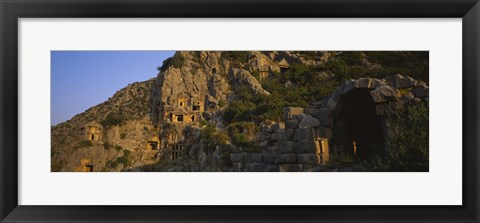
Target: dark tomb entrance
point(361, 127)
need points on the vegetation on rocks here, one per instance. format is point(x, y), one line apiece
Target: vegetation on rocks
point(407, 150)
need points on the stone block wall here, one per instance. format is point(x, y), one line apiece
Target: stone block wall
point(286, 147)
point(304, 139)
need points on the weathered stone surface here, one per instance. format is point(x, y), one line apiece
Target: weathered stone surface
point(324, 158)
point(237, 157)
point(244, 78)
point(311, 111)
point(289, 134)
point(259, 167)
point(377, 83)
point(268, 158)
point(291, 124)
point(363, 83)
point(307, 159)
point(253, 157)
point(331, 104)
point(285, 147)
point(384, 108)
point(393, 80)
point(322, 132)
point(264, 144)
point(322, 116)
point(305, 146)
point(266, 128)
point(239, 166)
point(309, 121)
point(348, 86)
point(278, 126)
point(290, 167)
point(383, 94)
point(337, 94)
point(286, 158)
point(274, 137)
point(270, 150)
point(289, 112)
point(303, 133)
point(406, 82)
point(421, 92)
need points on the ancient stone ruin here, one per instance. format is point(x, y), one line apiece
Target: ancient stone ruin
point(351, 122)
point(92, 131)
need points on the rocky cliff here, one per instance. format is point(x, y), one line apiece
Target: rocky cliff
point(237, 111)
point(119, 142)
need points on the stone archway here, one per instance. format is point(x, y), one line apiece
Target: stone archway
point(356, 117)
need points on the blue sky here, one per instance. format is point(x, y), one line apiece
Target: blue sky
point(82, 79)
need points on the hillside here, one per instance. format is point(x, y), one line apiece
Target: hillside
point(204, 108)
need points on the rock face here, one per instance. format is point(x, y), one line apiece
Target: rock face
point(83, 141)
point(204, 79)
point(168, 123)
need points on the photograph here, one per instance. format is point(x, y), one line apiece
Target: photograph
point(239, 111)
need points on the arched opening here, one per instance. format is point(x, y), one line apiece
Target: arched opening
point(360, 126)
point(92, 137)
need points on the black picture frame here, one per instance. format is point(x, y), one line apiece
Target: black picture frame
point(12, 10)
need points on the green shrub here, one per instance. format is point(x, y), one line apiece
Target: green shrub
point(221, 103)
point(211, 137)
point(84, 143)
point(178, 60)
point(106, 145)
point(122, 159)
point(165, 64)
point(407, 150)
point(123, 135)
point(118, 148)
point(239, 56)
point(113, 119)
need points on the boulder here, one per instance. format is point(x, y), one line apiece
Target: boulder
point(420, 92)
point(305, 146)
point(383, 94)
point(238, 157)
point(331, 104)
point(268, 158)
point(406, 82)
point(311, 111)
point(348, 86)
point(309, 121)
point(285, 147)
point(264, 144)
point(274, 137)
point(303, 133)
point(377, 83)
point(363, 83)
point(393, 80)
point(270, 150)
point(278, 126)
point(289, 134)
point(253, 157)
point(308, 159)
point(291, 124)
point(286, 158)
